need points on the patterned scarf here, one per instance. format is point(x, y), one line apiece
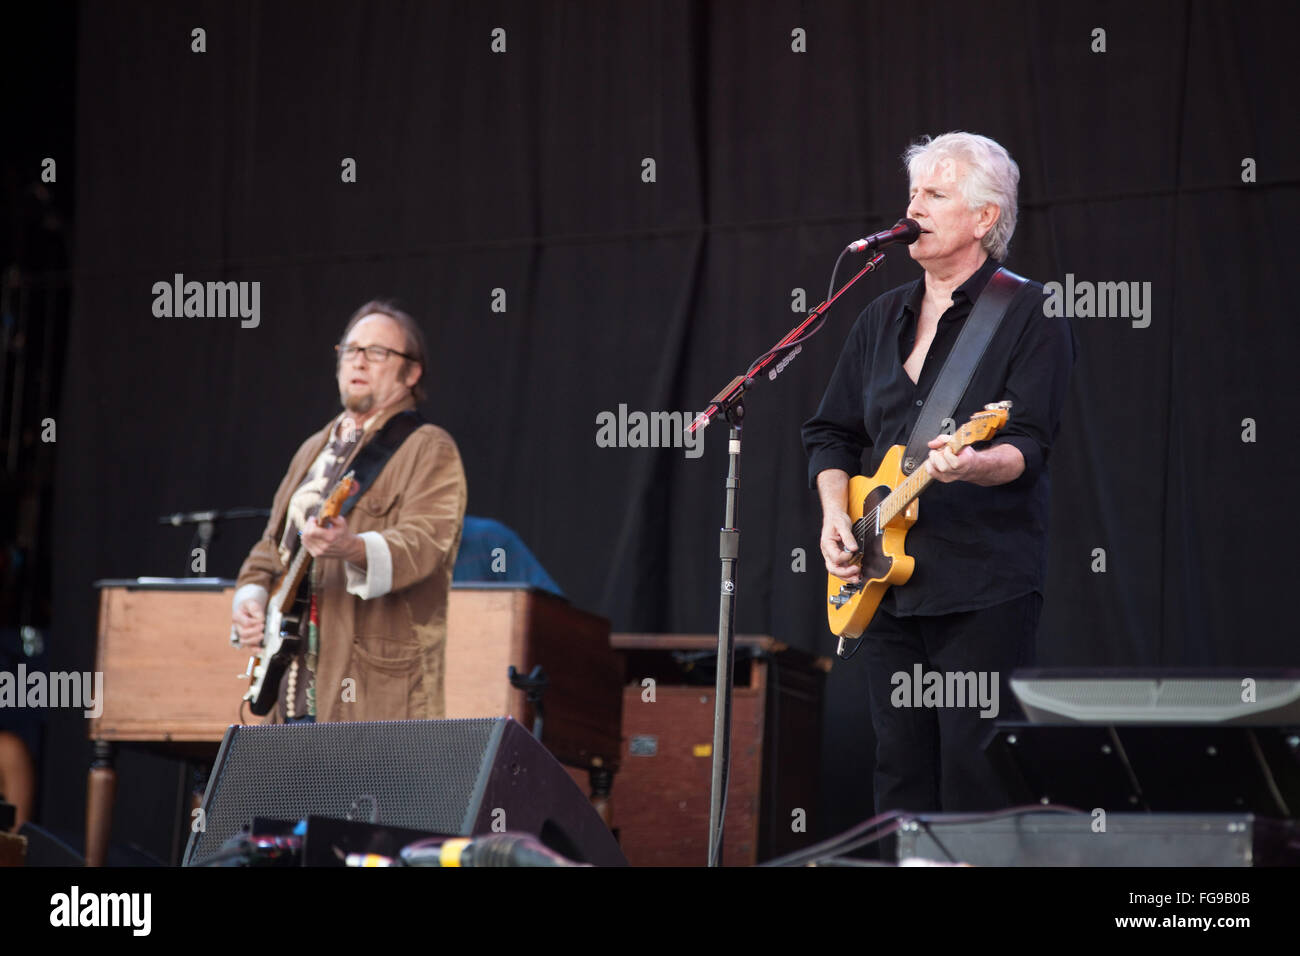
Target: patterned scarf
point(305, 502)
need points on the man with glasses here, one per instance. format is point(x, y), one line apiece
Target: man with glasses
point(373, 645)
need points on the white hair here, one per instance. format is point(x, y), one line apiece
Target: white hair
point(992, 176)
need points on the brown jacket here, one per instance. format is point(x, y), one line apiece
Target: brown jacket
point(389, 647)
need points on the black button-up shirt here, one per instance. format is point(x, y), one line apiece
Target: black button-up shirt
point(974, 546)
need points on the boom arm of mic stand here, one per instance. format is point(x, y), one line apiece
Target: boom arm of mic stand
point(731, 393)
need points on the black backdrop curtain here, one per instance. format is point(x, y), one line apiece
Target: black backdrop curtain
point(522, 171)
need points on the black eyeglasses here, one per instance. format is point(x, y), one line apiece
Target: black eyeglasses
point(374, 353)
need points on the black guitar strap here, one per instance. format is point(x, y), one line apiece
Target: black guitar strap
point(371, 459)
point(962, 361)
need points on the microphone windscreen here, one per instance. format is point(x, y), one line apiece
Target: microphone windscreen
point(912, 233)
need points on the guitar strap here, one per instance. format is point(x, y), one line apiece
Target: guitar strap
point(371, 459)
point(962, 361)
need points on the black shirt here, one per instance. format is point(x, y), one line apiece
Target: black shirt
point(974, 546)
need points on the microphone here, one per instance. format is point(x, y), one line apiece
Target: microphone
point(905, 231)
point(192, 517)
point(199, 517)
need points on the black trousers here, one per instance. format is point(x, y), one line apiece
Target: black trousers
point(930, 758)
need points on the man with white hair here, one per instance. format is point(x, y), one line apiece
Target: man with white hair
point(980, 543)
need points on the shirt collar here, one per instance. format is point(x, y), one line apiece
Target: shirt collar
point(973, 286)
point(970, 289)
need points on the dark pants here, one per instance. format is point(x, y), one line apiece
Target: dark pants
point(930, 758)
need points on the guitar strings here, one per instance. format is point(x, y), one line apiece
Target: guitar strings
point(860, 532)
point(860, 529)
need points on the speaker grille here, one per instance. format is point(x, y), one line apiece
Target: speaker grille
point(425, 775)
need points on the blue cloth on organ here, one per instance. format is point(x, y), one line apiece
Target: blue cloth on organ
point(489, 551)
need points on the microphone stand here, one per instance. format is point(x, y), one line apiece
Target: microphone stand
point(205, 522)
point(534, 685)
point(730, 404)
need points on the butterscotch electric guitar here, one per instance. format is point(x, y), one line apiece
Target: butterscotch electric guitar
point(882, 508)
point(286, 613)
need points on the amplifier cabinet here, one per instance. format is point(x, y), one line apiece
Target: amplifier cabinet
point(661, 797)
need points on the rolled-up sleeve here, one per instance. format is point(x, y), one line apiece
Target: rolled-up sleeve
point(836, 436)
point(376, 578)
point(1037, 383)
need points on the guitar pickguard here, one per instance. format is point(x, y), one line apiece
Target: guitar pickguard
point(875, 563)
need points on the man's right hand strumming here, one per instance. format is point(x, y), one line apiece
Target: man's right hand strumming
point(249, 621)
point(838, 543)
point(839, 547)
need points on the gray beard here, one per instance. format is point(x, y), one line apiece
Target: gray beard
point(361, 404)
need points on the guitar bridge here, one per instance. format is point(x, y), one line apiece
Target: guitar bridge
point(846, 594)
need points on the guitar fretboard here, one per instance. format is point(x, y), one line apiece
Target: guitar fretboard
point(907, 490)
point(329, 509)
point(905, 494)
point(294, 578)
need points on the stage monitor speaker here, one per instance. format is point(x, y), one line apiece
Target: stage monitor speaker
point(1129, 839)
point(458, 777)
point(1199, 768)
point(1250, 696)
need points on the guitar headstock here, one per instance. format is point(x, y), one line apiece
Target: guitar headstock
point(984, 425)
point(332, 505)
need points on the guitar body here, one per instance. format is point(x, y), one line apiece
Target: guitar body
point(282, 637)
point(882, 509)
point(286, 614)
point(884, 562)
